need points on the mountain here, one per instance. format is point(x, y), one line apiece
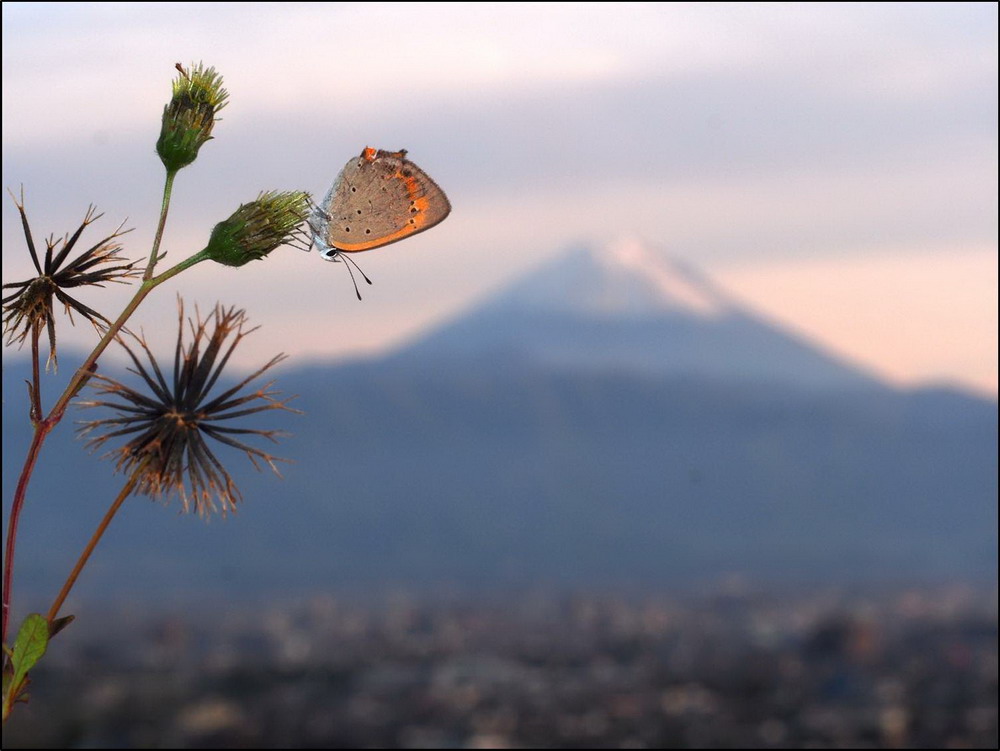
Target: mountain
point(476, 457)
point(628, 308)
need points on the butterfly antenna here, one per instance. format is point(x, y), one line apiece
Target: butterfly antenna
point(363, 275)
point(353, 280)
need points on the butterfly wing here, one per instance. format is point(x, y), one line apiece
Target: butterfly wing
point(379, 198)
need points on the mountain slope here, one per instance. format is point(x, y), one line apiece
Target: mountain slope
point(627, 308)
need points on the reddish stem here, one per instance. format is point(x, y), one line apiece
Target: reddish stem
point(42, 429)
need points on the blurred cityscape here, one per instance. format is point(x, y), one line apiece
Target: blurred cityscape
point(737, 668)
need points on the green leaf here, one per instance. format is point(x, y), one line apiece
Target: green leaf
point(30, 645)
point(28, 649)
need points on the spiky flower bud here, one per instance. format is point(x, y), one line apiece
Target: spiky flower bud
point(190, 115)
point(258, 227)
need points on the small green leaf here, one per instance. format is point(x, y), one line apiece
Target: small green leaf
point(29, 646)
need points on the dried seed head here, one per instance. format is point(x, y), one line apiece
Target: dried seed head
point(31, 305)
point(171, 420)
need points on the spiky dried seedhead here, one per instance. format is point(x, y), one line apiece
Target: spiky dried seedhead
point(31, 305)
point(172, 421)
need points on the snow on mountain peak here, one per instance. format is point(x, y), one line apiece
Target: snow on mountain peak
point(679, 287)
point(624, 278)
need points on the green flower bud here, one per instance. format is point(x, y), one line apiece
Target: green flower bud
point(190, 115)
point(257, 228)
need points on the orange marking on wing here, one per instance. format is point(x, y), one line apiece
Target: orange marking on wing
point(418, 218)
point(409, 229)
point(369, 154)
point(414, 191)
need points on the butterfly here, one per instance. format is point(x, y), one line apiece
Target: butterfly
point(379, 197)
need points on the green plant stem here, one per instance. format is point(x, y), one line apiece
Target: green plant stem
point(44, 426)
point(94, 539)
point(168, 189)
point(84, 371)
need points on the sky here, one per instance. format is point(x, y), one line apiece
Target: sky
point(834, 166)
